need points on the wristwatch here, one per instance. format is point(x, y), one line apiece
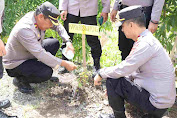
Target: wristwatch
point(154, 22)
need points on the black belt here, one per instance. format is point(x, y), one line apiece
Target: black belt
point(144, 8)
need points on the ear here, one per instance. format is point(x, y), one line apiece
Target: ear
point(41, 16)
point(131, 24)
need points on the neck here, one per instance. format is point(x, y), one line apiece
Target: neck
point(139, 30)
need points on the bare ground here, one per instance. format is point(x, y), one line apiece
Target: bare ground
point(66, 99)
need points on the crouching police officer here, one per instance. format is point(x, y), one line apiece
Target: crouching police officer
point(29, 57)
point(141, 77)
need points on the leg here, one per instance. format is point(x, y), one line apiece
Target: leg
point(93, 41)
point(125, 45)
point(133, 94)
point(70, 19)
point(115, 101)
point(33, 71)
point(51, 45)
point(30, 71)
point(1, 67)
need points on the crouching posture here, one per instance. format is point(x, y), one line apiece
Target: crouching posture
point(29, 57)
point(145, 78)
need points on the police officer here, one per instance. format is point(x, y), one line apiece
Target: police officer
point(29, 57)
point(141, 77)
point(152, 9)
point(85, 11)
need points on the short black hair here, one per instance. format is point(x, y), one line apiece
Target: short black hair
point(141, 21)
point(38, 11)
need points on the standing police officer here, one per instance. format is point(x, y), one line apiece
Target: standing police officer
point(85, 11)
point(141, 77)
point(152, 10)
point(29, 57)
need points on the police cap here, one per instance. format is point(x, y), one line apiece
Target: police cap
point(50, 11)
point(130, 13)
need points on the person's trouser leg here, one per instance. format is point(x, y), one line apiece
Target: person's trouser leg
point(133, 94)
point(115, 101)
point(93, 41)
point(70, 19)
point(1, 68)
point(34, 71)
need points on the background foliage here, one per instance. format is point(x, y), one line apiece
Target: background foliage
point(15, 9)
point(168, 24)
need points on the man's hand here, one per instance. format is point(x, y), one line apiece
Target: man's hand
point(63, 15)
point(68, 65)
point(97, 80)
point(2, 48)
point(152, 27)
point(69, 46)
point(105, 16)
point(113, 15)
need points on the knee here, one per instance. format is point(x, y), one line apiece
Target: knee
point(56, 43)
point(47, 74)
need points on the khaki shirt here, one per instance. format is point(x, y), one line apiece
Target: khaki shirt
point(1, 13)
point(157, 6)
point(150, 67)
point(86, 7)
point(25, 42)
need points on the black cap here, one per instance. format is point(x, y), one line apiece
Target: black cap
point(130, 13)
point(50, 11)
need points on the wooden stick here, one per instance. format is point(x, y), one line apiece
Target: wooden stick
point(83, 52)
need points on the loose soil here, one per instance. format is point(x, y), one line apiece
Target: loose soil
point(66, 99)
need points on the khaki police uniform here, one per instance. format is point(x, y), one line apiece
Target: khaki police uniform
point(152, 9)
point(28, 54)
point(145, 78)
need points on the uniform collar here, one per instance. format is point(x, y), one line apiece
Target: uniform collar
point(145, 32)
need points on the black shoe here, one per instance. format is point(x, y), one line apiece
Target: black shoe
point(106, 116)
point(23, 87)
point(62, 70)
point(54, 79)
point(4, 103)
point(3, 115)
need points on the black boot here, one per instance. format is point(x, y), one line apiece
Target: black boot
point(158, 113)
point(23, 87)
point(4, 103)
point(119, 114)
point(117, 104)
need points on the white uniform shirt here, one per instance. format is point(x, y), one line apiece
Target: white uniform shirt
point(25, 42)
point(157, 6)
point(86, 7)
point(150, 67)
